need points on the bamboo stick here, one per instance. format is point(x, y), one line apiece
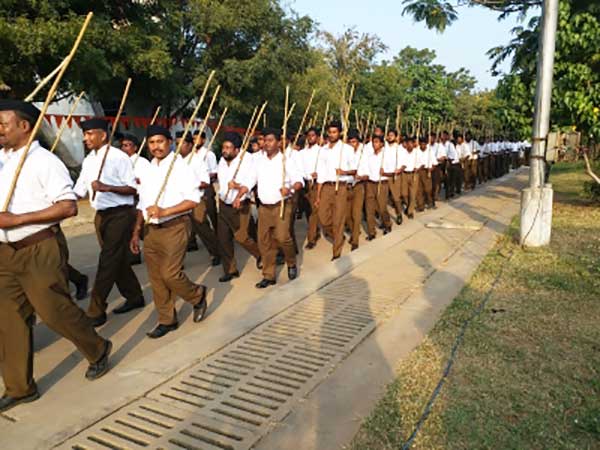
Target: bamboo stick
point(45, 81)
point(321, 138)
point(252, 117)
point(203, 124)
point(398, 112)
point(285, 120)
point(113, 131)
point(40, 119)
point(344, 136)
point(387, 126)
point(64, 124)
point(300, 129)
point(143, 144)
point(213, 137)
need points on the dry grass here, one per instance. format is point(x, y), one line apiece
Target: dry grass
point(528, 373)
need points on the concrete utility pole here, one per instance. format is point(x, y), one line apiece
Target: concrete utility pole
point(536, 201)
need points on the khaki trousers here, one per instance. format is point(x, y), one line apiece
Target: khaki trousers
point(436, 182)
point(354, 212)
point(202, 228)
point(395, 187)
point(113, 230)
point(332, 214)
point(313, 213)
point(234, 224)
point(274, 233)
point(377, 201)
point(33, 281)
point(165, 246)
point(425, 190)
point(409, 190)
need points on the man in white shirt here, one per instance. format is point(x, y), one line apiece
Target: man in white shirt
point(273, 230)
point(454, 170)
point(442, 164)
point(112, 195)
point(356, 195)
point(209, 199)
point(167, 215)
point(33, 272)
point(200, 221)
point(393, 149)
point(464, 154)
point(410, 183)
point(310, 156)
point(375, 169)
point(334, 171)
point(234, 220)
point(424, 171)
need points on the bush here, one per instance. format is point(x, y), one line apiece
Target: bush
point(592, 190)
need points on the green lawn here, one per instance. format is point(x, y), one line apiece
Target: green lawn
point(527, 375)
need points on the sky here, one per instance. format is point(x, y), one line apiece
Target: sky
point(463, 44)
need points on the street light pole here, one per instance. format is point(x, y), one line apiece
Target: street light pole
point(536, 201)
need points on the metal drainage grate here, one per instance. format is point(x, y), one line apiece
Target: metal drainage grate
point(231, 399)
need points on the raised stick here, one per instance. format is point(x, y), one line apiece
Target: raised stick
point(64, 124)
point(344, 136)
point(321, 139)
point(367, 125)
point(40, 119)
point(251, 122)
point(387, 126)
point(45, 81)
point(312, 96)
point(113, 131)
point(397, 119)
point(143, 144)
point(285, 120)
point(203, 124)
point(429, 147)
point(213, 137)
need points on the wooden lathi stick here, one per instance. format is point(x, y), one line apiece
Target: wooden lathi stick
point(113, 131)
point(185, 132)
point(387, 126)
point(143, 144)
point(203, 124)
point(45, 81)
point(212, 138)
point(344, 136)
point(284, 129)
point(306, 111)
point(247, 133)
point(64, 124)
point(320, 140)
point(40, 119)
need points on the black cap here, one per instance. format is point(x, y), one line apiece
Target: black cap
point(203, 135)
point(234, 138)
point(188, 137)
point(423, 140)
point(153, 130)
point(95, 123)
point(27, 109)
point(274, 131)
point(379, 137)
point(130, 137)
point(354, 134)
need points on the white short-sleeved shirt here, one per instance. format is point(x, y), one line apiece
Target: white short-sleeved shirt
point(140, 165)
point(371, 164)
point(199, 169)
point(408, 159)
point(117, 171)
point(423, 158)
point(451, 152)
point(43, 181)
point(225, 172)
point(267, 174)
point(329, 162)
point(209, 158)
point(309, 160)
point(180, 186)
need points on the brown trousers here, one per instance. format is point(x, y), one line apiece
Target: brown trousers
point(395, 187)
point(33, 281)
point(313, 213)
point(470, 173)
point(235, 224)
point(332, 214)
point(425, 189)
point(354, 211)
point(201, 226)
point(73, 275)
point(410, 188)
point(376, 202)
point(436, 182)
point(164, 249)
point(113, 230)
point(274, 233)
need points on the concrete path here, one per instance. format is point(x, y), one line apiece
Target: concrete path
point(296, 366)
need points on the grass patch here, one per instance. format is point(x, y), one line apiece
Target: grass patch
point(527, 375)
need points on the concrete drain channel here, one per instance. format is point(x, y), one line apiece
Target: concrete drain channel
point(232, 398)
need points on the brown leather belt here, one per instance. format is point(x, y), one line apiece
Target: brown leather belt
point(114, 210)
point(33, 239)
point(329, 183)
point(242, 203)
point(170, 223)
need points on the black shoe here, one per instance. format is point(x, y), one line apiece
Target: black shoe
point(130, 306)
point(229, 276)
point(310, 245)
point(7, 402)
point(411, 216)
point(264, 283)
point(399, 219)
point(98, 321)
point(386, 231)
point(136, 260)
point(82, 288)
point(100, 367)
point(192, 246)
point(370, 237)
point(420, 209)
point(280, 260)
point(354, 247)
point(292, 273)
point(259, 264)
point(161, 330)
point(200, 307)
point(215, 261)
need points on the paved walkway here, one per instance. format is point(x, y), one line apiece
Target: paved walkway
point(281, 369)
